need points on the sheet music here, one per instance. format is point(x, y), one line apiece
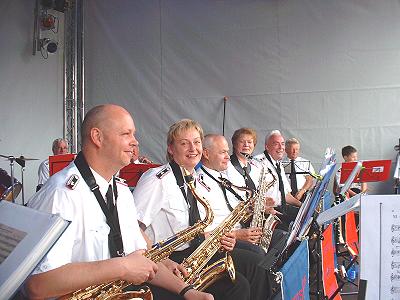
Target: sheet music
point(26, 235)
point(380, 246)
point(9, 239)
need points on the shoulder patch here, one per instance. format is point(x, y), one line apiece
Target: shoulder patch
point(121, 181)
point(72, 181)
point(163, 172)
point(200, 179)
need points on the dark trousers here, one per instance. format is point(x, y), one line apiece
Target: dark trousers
point(245, 245)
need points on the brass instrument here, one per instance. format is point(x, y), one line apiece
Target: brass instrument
point(268, 223)
point(115, 290)
point(201, 277)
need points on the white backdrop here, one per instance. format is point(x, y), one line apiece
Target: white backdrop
point(326, 72)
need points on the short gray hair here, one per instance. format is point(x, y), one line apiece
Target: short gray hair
point(273, 132)
point(292, 141)
point(57, 142)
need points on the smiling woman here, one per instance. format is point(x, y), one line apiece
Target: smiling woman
point(184, 143)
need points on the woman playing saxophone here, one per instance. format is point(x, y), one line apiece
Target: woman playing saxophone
point(165, 207)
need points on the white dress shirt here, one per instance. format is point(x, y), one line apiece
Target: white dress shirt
point(161, 205)
point(238, 179)
point(301, 165)
point(212, 192)
point(274, 192)
point(86, 238)
point(43, 172)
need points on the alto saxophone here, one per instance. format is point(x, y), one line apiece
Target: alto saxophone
point(115, 290)
point(201, 276)
point(268, 223)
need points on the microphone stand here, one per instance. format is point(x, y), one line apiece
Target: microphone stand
point(223, 118)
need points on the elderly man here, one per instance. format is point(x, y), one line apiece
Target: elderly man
point(103, 218)
point(281, 191)
point(298, 170)
point(214, 164)
point(59, 147)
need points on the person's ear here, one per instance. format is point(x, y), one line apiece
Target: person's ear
point(96, 136)
point(206, 153)
point(169, 150)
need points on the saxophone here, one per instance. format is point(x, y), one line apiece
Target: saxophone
point(159, 251)
point(201, 276)
point(269, 223)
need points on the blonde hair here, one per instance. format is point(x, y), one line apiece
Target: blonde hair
point(177, 128)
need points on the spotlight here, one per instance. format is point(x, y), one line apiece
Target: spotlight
point(48, 46)
point(48, 22)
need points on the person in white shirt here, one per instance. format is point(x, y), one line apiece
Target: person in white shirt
point(59, 147)
point(215, 161)
point(165, 207)
point(243, 171)
point(298, 170)
point(86, 254)
point(280, 191)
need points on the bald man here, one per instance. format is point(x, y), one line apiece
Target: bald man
point(91, 251)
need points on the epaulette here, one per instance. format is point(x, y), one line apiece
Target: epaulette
point(72, 181)
point(200, 179)
point(121, 181)
point(163, 172)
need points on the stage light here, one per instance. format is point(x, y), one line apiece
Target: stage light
point(48, 22)
point(48, 46)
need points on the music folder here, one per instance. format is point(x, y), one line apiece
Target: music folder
point(59, 162)
point(371, 171)
point(26, 235)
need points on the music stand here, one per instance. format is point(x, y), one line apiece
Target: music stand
point(305, 215)
point(132, 172)
point(371, 171)
point(59, 162)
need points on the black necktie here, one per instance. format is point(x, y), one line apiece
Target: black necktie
point(281, 187)
point(111, 236)
point(110, 199)
point(247, 179)
point(194, 216)
point(293, 178)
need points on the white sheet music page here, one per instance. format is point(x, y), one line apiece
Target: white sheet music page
point(380, 246)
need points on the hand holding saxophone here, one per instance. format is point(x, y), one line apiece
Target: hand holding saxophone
point(228, 241)
point(175, 268)
point(137, 268)
point(251, 235)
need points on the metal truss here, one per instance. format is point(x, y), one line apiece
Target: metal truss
point(73, 74)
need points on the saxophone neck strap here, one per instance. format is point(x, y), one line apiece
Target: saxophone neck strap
point(111, 217)
point(220, 185)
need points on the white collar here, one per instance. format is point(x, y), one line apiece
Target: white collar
point(101, 182)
